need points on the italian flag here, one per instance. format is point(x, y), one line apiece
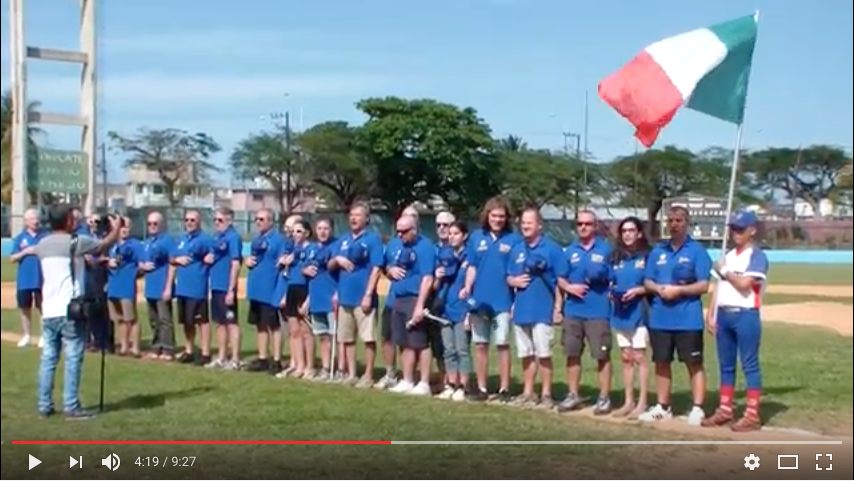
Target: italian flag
point(706, 70)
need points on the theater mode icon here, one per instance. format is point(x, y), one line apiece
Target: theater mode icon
point(787, 461)
point(112, 462)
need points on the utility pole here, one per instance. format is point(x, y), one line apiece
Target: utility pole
point(105, 203)
point(577, 137)
point(288, 193)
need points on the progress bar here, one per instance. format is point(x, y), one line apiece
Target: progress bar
point(754, 443)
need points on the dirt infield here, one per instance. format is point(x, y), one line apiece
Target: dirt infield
point(830, 315)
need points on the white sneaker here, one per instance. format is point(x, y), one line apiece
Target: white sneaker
point(41, 342)
point(656, 413)
point(446, 393)
point(421, 389)
point(24, 342)
point(696, 416)
point(459, 395)
point(402, 387)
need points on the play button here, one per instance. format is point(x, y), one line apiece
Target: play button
point(34, 461)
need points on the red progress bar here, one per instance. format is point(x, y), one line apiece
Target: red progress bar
point(201, 442)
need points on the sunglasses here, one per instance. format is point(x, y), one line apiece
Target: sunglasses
point(219, 220)
point(261, 219)
point(443, 224)
point(190, 220)
point(403, 231)
point(153, 223)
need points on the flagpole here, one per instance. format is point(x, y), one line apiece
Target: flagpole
point(733, 179)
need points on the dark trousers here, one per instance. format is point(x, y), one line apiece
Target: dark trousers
point(101, 333)
point(162, 326)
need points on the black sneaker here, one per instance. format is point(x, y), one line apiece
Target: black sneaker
point(275, 367)
point(258, 365)
point(203, 360)
point(477, 395)
point(46, 414)
point(79, 415)
point(185, 358)
point(503, 397)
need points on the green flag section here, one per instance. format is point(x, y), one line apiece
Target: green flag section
point(706, 69)
point(722, 93)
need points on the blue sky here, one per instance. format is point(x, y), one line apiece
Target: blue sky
point(218, 66)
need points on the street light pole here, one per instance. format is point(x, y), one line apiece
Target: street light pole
point(288, 193)
point(577, 137)
point(104, 176)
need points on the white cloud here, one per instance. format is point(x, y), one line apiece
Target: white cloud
point(148, 89)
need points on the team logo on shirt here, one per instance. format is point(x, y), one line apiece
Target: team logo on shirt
point(482, 246)
point(181, 245)
point(223, 246)
point(24, 243)
point(574, 258)
point(662, 259)
point(521, 258)
point(504, 248)
point(597, 258)
point(639, 264)
point(684, 260)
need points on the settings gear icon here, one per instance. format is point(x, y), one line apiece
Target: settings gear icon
point(751, 462)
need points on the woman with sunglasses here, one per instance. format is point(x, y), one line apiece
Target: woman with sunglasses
point(295, 308)
point(629, 312)
point(321, 294)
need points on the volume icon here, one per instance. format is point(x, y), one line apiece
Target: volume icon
point(75, 462)
point(112, 462)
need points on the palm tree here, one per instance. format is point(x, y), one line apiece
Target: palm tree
point(33, 133)
point(512, 143)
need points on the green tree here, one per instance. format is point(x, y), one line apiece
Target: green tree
point(424, 148)
point(266, 155)
point(179, 158)
point(810, 174)
point(535, 178)
point(650, 177)
point(33, 135)
point(337, 166)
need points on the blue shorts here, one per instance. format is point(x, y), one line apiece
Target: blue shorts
point(322, 323)
point(221, 313)
point(29, 298)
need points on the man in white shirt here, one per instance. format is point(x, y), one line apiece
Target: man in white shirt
point(736, 322)
point(62, 285)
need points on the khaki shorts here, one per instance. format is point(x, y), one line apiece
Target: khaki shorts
point(122, 310)
point(353, 321)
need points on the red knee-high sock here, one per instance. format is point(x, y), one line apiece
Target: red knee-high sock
point(727, 394)
point(753, 397)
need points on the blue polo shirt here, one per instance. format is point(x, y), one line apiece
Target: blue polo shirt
point(596, 304)
point(156, 249)
point(191, 281)
point(261, 280)
point(321, 288)
point(228, 247)
point(295, 275)
point(489, 254)
point(284, 273)
point(543, 261)
point(421, 262)
point(393, 246)
point(628, 274)
point(456, 309)
point(352, 285)
point(121, 283)
point(685, 313)
point(29, 274)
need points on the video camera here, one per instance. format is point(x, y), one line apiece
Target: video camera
point(102, 225)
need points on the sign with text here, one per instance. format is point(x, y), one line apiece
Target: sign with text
point(57, 171)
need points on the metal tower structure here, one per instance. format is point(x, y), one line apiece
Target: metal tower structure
point(85, 56)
